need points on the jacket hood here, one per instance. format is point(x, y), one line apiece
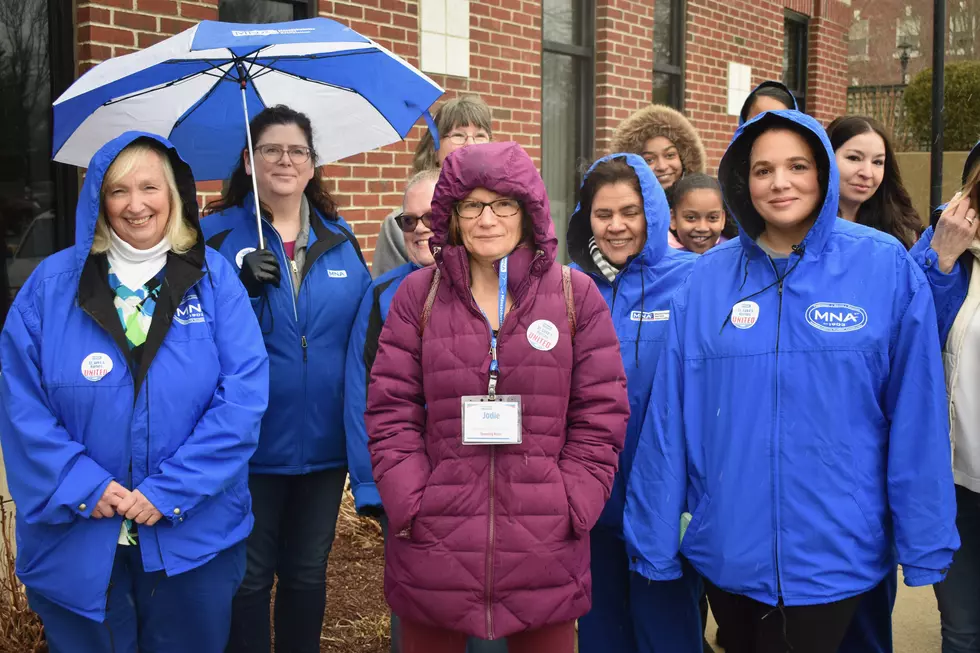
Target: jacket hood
point(751, 98)
point(660, 120)
point(734, 168)
point(655, 209)
point(503, 168)
point(90, 198)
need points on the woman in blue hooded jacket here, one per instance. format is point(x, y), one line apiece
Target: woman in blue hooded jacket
point(949, 254)
point(305, 289)
point(134, 379)
point(799, 412)
point(618, 236)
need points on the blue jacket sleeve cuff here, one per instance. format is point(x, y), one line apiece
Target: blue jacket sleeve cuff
point(87, 507)
point(937, 278)
point(643, 568)
point(174, 514)
point(83, 486)
point(366, 496)
point(919, 577)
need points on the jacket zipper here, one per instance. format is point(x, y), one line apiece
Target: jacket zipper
point(776, 450)
point(489, 591)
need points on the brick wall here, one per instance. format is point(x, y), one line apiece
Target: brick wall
point(827, 68)
point(719, 31)
point(623, 64)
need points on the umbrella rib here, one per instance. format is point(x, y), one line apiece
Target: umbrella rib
point(197, 104)
point(165, 85)
point(340, 88)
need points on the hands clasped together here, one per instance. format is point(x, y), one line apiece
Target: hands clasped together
point(117, 500)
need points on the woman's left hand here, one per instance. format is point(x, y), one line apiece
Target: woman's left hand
point(139, 509)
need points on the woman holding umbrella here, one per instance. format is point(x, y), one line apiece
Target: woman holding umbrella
point(134, 379)
point(305, 290)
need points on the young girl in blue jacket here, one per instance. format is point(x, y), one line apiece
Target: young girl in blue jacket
point(798, 415)
point(305, 289)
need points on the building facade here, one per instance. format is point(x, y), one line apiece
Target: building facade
point(889, 37)
point(558, 74)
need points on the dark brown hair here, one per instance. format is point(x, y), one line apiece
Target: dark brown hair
point(611, 171)
point(890, 209)
point(239, 185)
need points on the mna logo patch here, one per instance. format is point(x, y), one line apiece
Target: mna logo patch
point(836, 318)
point(650, 316)
point(337, 274)
point(189, 311)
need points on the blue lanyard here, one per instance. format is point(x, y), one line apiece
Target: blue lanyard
point(501, 308)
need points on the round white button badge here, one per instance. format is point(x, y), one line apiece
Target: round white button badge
point(542, 335)
point(240, 256)
point(95, 366)
point(745, 315)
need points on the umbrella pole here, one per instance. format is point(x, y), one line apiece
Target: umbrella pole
point(255, 183)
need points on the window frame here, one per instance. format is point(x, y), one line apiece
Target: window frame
point(801, 23)
point(675, 69)
point(584, 53)
point(61, 61)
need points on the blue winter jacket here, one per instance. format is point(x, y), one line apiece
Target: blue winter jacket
point(800, 418)
point(363, 348)
point(948, 290)
point(180, 428)
point(306, 337)
point(639, 300)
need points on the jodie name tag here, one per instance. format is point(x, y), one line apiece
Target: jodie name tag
point(491, 421)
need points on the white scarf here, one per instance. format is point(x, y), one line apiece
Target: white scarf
point(954, 341)
point(134, 267)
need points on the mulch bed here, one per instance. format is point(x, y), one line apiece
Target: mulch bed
point(357, 615)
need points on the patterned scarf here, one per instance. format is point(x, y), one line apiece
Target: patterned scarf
point(609, 271)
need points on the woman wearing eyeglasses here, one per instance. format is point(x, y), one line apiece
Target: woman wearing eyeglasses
point(495, 415)
point(460, 122)
point(305, 289)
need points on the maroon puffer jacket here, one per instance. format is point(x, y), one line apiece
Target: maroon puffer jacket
point(493, 540)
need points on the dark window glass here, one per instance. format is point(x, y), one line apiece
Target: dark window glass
point(567, 95)
point(795, 28)
point(262, 11)
point(668, 52)
point(37, 197)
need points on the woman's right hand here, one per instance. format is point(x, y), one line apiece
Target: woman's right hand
point(112, 497)
point(956, 229)
point(259, 267)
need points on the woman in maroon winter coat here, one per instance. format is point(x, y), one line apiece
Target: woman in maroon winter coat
point(491, 540)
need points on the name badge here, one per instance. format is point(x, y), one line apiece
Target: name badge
point(491, 421)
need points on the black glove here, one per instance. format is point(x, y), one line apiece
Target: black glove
point(259, 268)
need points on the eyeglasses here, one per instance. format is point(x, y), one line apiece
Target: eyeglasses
point(502, 208)
point(460, 138)
point(298, 154)
point(408, 222)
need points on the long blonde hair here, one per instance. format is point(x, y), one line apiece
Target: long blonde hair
point(182, 236)
point(971, 188)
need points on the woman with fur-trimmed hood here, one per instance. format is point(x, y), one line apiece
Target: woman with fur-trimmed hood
point(665, 139)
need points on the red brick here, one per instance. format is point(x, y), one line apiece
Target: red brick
point(175, 25)
point(164, 7)
point(135, 21)
point(102, 34)
point(199, 12)
point(89, 14)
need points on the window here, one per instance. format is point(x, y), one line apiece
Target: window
point(795, 28)
point(668, 52)
point(37, 197)
point(857, 42)
point(907, 31)
point(265, 11)
point(963, 24)
point(567, 98)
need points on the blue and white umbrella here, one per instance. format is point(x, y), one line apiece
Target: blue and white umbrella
point(198, 87)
